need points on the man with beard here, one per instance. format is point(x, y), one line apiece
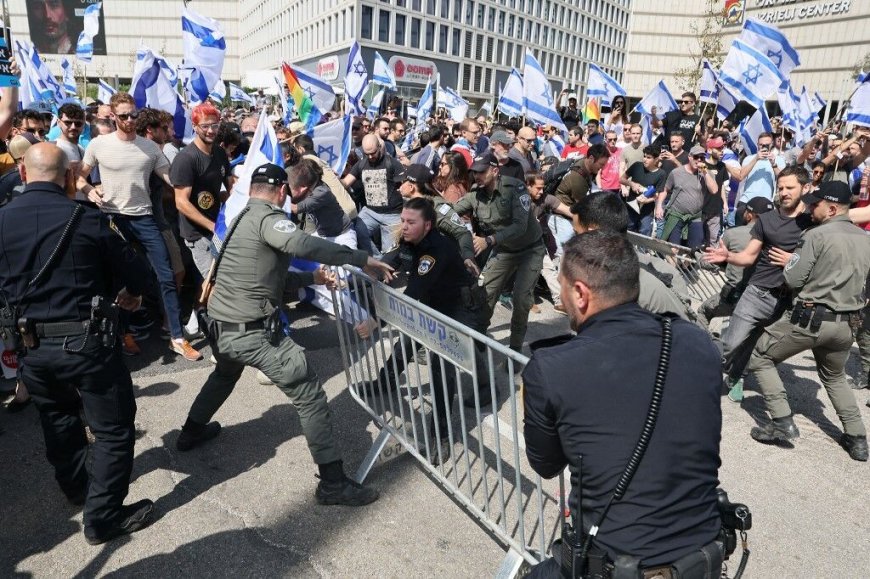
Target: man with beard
point(50, 26)
point(507, 165)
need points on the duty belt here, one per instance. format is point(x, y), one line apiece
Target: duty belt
point(826, 314)
point(242, 327)
point(60, 329)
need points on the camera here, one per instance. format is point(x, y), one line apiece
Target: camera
point(764, 148)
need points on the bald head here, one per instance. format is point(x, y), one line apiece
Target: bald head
point(372, 145)
point(45, 162)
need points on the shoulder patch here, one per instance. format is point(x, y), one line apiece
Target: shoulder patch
point(425, 265)
point(444, 208)
point(525, 201)
point(795, 258)
point(455, 219)
point(284, 226)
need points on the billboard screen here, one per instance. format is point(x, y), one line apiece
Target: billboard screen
point(55, 25)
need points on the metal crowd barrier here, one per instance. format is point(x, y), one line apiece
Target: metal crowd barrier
point(483, 465)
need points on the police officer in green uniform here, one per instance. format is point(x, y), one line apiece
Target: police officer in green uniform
point(244, 306)
point(507, 228)
point(828, 269)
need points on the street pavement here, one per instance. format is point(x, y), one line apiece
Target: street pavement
point(243, 505)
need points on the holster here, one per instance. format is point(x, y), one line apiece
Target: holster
point(9, 325)
point(276, 326)
point(104, 321)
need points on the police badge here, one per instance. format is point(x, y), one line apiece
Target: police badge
point(427, 262)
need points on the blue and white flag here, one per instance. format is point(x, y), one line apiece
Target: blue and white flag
point(238, 94)
point(28, 93)
point(69, 79)
point(455, 104)
point(375, 106)
point(332, 142)
point(771, 42)
point(789, 103)
point(204, 50)
point(382, 74)
point(286, 107)
point(218, 93)
point(36, 77)
point(709, 92)
point(318, 90)
point(90, 28)
point(818, 102)
point(412, 134)
point(749, 74)
point(168, 69)
point(660, 98)
point(752, 127)
point(150, 87)
point(538, 95)
point(602, 86)
point(726, 103)
point(646, 126)
point(104, 91)
point(424, 107)
point(485, 109)
point(510, 99)
point(355, 81)
point(808, 114)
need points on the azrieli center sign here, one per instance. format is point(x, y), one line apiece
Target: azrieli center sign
point(788, 10)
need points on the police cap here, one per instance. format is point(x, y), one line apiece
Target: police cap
point(269, 173)
point(832, 191)
point(759, 205)
point(484, 162)
point(416, 174)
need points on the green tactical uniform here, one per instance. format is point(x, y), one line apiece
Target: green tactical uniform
point(828, 268)
point(506, 215)
point(249, 285)
point(448, 222)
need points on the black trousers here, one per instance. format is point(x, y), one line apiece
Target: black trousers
point(96, 379)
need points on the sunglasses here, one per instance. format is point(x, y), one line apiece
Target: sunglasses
point(611, 140)
point(699, 157)
point(71, 123)
point(32, 131)
point(125, 116)
point(688, 102)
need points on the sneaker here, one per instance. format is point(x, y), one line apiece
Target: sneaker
point(559, 308)
point(344, 492)
point(131, 519)
point(506, 300)
point(735, 391)
point(129, 345)
point(184, 348)
point(192, 437)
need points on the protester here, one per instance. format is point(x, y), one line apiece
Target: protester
point(452, 177)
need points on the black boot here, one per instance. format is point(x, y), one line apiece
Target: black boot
point(386, 384)
point(129, 520)
point(194, 433)
point(856, 446)
point(335, 488)
point(778, 430)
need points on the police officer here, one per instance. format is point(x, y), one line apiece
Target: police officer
point(51, 268)
point(508, 230)
point(244, 306)
point(439, 279)
point(590, 421)
point(828, 269)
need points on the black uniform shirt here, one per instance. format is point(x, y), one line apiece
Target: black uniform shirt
point(30, 228)
point(589, 397)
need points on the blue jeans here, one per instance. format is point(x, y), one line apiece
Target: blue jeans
point(562, 230)
point(387, 222)
point(696, 235)
point(756, 309)
point(144, 229)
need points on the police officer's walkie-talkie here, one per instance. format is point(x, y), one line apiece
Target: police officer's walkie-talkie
point(572, 527)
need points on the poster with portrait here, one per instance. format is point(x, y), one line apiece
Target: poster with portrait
point(55, 25)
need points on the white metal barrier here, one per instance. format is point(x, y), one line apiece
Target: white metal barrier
point(472, 447)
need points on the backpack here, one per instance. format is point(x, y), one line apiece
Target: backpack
point(554, 175)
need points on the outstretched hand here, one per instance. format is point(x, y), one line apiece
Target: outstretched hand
point(378, 269)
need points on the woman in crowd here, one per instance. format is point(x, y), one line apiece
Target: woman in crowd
point(452, 179)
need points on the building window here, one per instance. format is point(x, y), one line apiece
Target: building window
point(469, 40)
point(481, 10)
point(430, 36)
point(383, 26)
point(366, 24)
point(415, 32)
point(442, 39)
point(454, 48)
point(445, 9)
point(430, 7)
point(469, 12)
point(457, 10)
point(400, 30)
point(466, 77)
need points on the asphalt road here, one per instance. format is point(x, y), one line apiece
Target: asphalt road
point(243, 506)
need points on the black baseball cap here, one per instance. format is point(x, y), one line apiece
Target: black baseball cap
point(484, 162)
point(759, 205)
point(269, 173)
point(833, 191)
point(416, 174)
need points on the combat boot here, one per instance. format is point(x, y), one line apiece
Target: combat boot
point(388, 383)
point(131, 519)
point(856, 446)
point(193, 434)
point(778, 430)
point(335, 488)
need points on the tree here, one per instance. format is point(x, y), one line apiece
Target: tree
point(862, 65)
point(707, 34)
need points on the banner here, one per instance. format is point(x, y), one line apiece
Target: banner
point(55, 26)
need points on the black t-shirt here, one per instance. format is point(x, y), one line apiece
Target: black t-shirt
point(774, 230)
point(638, 173)
point(204, 174)
point(713, 205)
point(512, 168)
point(677, 122)
point(379, 183)
point(668, 166)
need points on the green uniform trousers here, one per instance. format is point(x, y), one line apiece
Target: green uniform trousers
point(285, 365)
point(863, 339)
point(830, 347)
point(499, 268)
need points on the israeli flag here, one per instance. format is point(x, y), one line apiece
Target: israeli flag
point(69, 79)
point(455, 104)
point(375, 106)
point(752, 127)
point(91, 27)
point(151, 88)
point(318, 90)
point(204, 50)
point(808, 114)
point(218, 93)
point(382, 74)
point(424, 107)
point(790, 106)
point(285, 102)
point(45, 86)
point(238, 94)
point(749, 74)
point(772, 43)
point(411, 135)
point(818, 102)
point(28, 93)
point(168, 69)
point(602, 86)
point(104, 91)
point(486, 109)
point(646, 127)
point(660, 98)
point(332, 142)
point(538, 95)
point(355, 81)
point(726, 103)
point(510, 100)
point(709, 92)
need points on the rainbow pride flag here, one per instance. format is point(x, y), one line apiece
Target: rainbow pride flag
point(591, 111)
point(304, 105)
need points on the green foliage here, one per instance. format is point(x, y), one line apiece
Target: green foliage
point(707, 32)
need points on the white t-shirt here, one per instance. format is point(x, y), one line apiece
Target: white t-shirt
point(125, 168)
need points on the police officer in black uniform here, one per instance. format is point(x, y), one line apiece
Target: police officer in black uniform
point(439, 279)
point(53, 267)
point(587, 400)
